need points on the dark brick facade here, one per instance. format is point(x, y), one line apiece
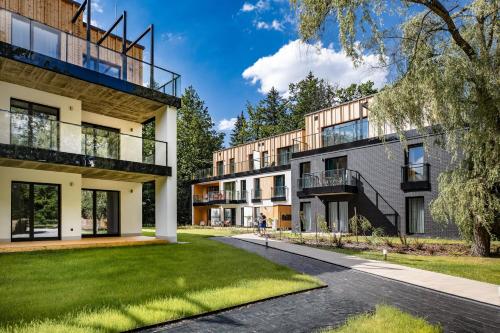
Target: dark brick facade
point(380, 166)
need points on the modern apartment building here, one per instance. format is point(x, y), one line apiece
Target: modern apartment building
point(339, 167)
point(247, 180)
point(74, 100)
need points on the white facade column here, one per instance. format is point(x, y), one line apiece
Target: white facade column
point(166, 187)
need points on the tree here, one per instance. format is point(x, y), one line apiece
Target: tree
point(241, 131)
point(269, 116)
point(308, 95)
point(197, 139)
point(355, 91)
point(446, 67)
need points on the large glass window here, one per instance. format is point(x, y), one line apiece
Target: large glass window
point(284, 155)
point(279, 186)
point(34, 125)
point(415, 215)
point(100, 212)
point(256, 189)
point(100, 141)
point(338, 212)
point(264, 161)
point(346, 132)
point(414, 160)
point(220, 168)
point(336, 163)
point(35, 211)
point(232, 166)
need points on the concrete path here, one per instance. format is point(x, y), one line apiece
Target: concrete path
point(474, 290)
point(349, 292)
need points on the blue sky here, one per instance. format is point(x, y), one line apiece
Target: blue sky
point(232, 51)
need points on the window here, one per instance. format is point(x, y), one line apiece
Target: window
point(284, 155)
point(250, 162)
point(100, 141)
point(35, 211)
point(256, 188)
point(305, 168)
point(336, 163)
point(279, 186)
point(305, 216)
point(415, 215)
point(338, 216)
point(229, 190)
point(220, 168)
point(34, 125)
point(231, 165)
point(264, 162)
point(243, 189)
point(100, 213)
point(414, 160)
point(102, 66)
point(346, 132)
point(305, 177)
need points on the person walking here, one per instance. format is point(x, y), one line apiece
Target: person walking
point(263, 223)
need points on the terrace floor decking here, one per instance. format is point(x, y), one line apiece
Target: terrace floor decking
point(80, 243)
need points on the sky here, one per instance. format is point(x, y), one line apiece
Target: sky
point(232, 52)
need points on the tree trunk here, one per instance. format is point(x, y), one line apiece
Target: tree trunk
point(481, 242)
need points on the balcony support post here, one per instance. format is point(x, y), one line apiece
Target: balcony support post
point(124, 47)
point(152, 57)
point(89, 19)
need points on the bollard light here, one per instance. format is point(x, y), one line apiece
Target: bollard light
point(266, 240)
point(384, 252)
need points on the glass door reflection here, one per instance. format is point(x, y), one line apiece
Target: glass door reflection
point(100, 213)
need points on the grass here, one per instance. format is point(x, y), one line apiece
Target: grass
point(386, 319)
point(474, 268)
point(116, 289)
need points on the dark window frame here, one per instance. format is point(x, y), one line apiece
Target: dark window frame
point(32, 211)
point(407, 152)
point(94, 213)
point(31, 114)
point(336, 158)
point(94, 143)
point(407, 214)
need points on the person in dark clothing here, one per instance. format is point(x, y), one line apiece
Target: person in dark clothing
point(263, 223)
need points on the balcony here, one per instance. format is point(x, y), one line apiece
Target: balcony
point(279, 193)
point(253, 166)
point(220, 198)
point(333, 136)
point(38, 56)
point(328, 182)
point(38, 142)
point(415, 177)
point(256, 195)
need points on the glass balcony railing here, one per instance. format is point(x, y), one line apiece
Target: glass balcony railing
point(328, 178)
point(39, 131)
point(244, 166)
point(333, 135)
point(42, 39)
point(279, 193)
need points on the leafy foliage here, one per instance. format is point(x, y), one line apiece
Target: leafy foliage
point(446, 64)
point(197, 139)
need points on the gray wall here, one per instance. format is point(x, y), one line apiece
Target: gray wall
point(380, 164)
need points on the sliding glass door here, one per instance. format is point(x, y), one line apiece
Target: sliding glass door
point(338, 215)
point(100, 213)
point(35, 211)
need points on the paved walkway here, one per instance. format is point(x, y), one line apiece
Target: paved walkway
point(349, 292)
point(474, 290)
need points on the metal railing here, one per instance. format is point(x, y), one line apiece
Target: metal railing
point(34, 36)
point(415, 172)
point(256, 194)
point(244, 166)
point(219, 197)
point(328, 178)
point(333, 135)
point(41, 132)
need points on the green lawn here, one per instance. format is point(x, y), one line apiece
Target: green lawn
point(115, 289)
point(480, 269)
point(386, 319)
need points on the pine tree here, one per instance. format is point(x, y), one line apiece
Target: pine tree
point(240, 133)
point(270, 115)
point(197, 139)
point(308, 95)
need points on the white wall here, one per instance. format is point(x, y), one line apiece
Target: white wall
point(166, 187)
point(70, 198)
point(130, 202)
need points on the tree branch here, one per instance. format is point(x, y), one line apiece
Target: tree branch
point(437, 8)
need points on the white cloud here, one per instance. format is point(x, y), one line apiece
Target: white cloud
point(172, 37)
point(97, 6)
point(259, 5)
point(226, 124)
point(274, 25)
point(293, 61)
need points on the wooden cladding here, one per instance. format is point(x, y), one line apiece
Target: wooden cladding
point(58, 14)
point(242, 152)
